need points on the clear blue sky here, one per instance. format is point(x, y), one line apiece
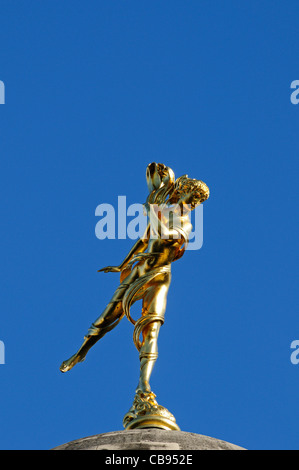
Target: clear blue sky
point(94, 92)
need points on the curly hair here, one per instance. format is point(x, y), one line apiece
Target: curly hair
point(196, 191)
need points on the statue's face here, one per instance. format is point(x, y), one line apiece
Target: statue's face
point(158, 174)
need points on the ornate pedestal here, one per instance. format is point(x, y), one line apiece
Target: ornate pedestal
point(147, 413)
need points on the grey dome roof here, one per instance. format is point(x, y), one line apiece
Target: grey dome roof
point(148, 439)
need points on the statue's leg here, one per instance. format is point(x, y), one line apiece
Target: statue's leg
point(98, 329)
point(154, 305)
point(148, 355)
point(108, 320)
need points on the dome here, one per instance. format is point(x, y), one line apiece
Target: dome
point(148, 439)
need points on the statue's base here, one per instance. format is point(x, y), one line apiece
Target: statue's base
point(146, 413)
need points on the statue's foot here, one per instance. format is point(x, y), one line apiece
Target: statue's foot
point(71, 362)
point(143, 387)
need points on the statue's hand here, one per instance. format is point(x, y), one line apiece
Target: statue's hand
point(110, 269)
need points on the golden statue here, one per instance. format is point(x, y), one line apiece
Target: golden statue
point(146, 275)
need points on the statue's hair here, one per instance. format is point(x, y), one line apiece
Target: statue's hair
point(197, 189)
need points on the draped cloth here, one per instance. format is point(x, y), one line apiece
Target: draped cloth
point(135, 291)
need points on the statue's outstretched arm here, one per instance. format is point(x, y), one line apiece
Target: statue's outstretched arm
point(139, 247)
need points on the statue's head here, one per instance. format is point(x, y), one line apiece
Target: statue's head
point(190, 192)
point(158, 175)
point(164, 188)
